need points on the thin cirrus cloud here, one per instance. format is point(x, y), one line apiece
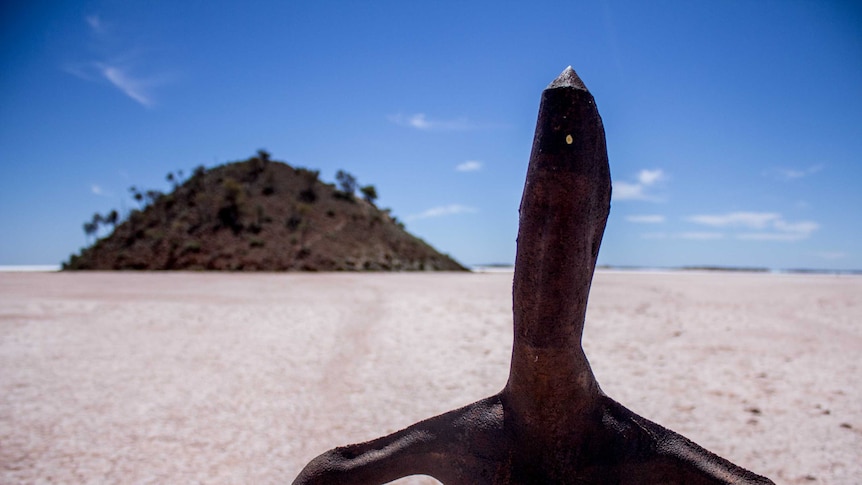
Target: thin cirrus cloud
point(701, 235)
point(642, 189)
point(120, 76)
point(758, 226)
point(754, 220)
point(690, 235)
point(831, 255)
point(96, 24)
point(120, 70)
point(469, 166)
point(441, 211)
point(421, 122)
point(646, 219)
point(100, 191)
point(131, 86)
point(794, 173)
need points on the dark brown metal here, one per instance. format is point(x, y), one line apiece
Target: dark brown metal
point(551, 424)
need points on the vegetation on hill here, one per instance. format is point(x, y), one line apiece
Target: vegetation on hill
point(257, 215)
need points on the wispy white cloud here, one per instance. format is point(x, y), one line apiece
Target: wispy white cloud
point(831, 255)
point(794, 173)
point(628, 191)
point(85, 71)
point(440, 211)
point(421, 122)
point(768, 226)
point(469, 166)
point(95, 23)
point(650, 177)
point(694, 236)
point(701, 236)
point(100, 191)
point(755, 220)
point(135, 88)
point(642, 188)
point(646, 219)
point(772, 236)
point(121, 68)
point(802, 227)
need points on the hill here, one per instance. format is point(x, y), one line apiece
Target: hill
point(259, 215)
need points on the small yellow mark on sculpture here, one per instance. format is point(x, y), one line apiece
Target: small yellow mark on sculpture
point(569, 139)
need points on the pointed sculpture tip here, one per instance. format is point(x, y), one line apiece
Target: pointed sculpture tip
point(568, 79)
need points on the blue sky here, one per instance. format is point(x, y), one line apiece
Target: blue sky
point(734, 128)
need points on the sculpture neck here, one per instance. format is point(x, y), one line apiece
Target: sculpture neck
point(557, 247)
point(563, 214)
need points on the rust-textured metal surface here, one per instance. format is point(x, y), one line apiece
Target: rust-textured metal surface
point(551, 424)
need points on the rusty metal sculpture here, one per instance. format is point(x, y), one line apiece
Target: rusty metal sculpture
point(551, 424)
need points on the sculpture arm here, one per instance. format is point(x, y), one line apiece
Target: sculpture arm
point(655, 454)
point(458, 447)
point(406, 452)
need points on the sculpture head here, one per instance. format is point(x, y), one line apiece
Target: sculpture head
point(564, 208)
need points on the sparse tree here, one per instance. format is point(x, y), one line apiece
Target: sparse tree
point(196, 180)
point(369, 193)
point(152, 196)
point(112, 218)
point(90, 229)
point(264, 156)
point(310, 177)
point(347, 182)
point(137, 195)
point(173, 179)
point(257, 164)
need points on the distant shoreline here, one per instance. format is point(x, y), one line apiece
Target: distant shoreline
point(29, 268)
point(503, 268)
point(500, 268)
